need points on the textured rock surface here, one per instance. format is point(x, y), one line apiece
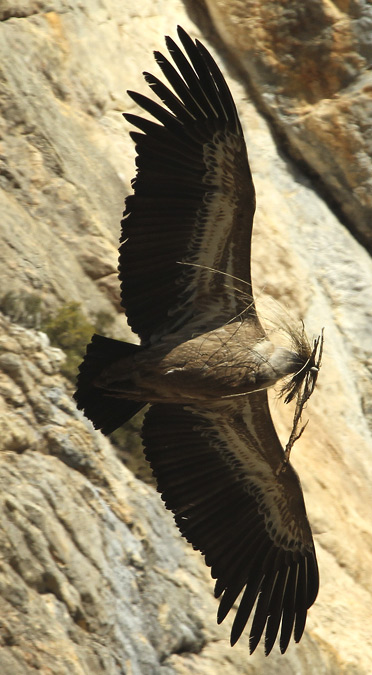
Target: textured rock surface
point(308, 64)
point(94, 577)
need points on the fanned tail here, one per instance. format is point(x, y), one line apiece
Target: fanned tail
point(105, 411)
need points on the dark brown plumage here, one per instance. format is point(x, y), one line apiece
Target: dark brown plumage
point(205, 362)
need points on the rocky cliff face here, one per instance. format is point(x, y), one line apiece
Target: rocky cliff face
point(309, 64)
point(94, 577)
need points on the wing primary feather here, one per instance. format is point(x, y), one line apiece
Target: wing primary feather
point(245, 608)
point(252, 573)
point(301, 597)
point(169, 121)
point(312, 579)
point(150, 146)
point(147, 126)
point(223, 89)
point(165, 137)
point(289, 608)
point(240, 571)
point(180, 86)
point(204, 74)
point(275, 610)
point(261, 613)
point(191, 78)
point(169, 99)
point(270, 569)
point(166, 118)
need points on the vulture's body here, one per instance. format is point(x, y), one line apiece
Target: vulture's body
point(205, 362)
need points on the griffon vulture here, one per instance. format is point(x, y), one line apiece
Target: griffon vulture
point(205, 361)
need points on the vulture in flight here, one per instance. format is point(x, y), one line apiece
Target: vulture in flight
point(204, 361)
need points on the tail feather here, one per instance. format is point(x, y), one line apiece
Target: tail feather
point(106, 412)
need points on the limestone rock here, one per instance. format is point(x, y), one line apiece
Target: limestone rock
point(94, 576)
point(308, 64)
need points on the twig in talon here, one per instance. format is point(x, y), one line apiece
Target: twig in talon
point(302, 385)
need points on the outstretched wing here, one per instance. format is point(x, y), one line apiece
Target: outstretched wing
point(217, 472)
point(193, 201)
